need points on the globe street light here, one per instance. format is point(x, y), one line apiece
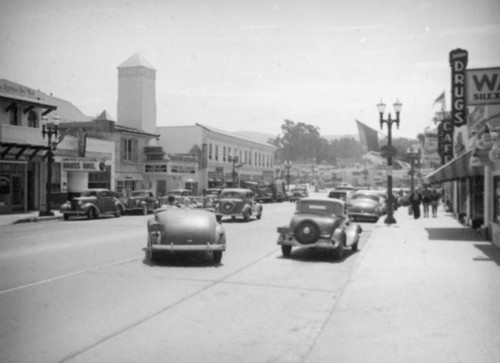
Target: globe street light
point(389, 152)
point(414, 155)
point(49, 130)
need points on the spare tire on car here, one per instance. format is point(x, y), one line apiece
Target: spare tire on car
point(227, 207)
point(307, 232)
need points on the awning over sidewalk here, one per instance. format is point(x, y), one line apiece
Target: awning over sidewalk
point(458, 168)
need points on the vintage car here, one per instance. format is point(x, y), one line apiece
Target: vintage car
point(344, 195)
point(180, 192)
point(366, 205)
point(93, 203)
point(322, 223)
point(185, 230)
point(142, 201)
point(297, 194)
point(238, 202)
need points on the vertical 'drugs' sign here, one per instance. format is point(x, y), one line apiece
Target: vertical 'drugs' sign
point(458, 63)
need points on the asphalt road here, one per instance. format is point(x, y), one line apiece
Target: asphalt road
point(82, 291)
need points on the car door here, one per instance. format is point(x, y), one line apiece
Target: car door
point(106, 201)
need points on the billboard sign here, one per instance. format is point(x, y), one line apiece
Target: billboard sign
point(483, 86)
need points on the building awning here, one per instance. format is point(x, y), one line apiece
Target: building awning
point(19, 151)
point(458, 168)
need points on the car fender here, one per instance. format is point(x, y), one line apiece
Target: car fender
point(339, 236)
point(246, 208)
point(352, 234)
point(87, 206)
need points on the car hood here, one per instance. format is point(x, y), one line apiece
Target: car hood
point(85, 199)
point(325, 223)
point(187, 226)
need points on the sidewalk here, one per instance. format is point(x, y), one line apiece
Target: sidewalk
point(31, 216)
point(425, 290)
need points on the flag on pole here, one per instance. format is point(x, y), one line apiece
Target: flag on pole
point(440, 100)
point(368, 137)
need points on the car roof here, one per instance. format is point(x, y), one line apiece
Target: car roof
point(241, 190)
point(321, 199)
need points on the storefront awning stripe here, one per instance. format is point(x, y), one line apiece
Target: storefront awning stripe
point(457, 168)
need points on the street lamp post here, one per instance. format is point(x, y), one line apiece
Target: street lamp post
point(414, 155)
point(390, 153)
point(233, 159)
point(288, 165)
point(50, 130)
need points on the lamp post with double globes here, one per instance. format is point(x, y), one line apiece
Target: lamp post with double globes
point(50, 130)
point(389, 152)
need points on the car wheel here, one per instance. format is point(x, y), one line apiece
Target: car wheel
point(286, 250)
point(259, 216)
point(246, 216)
point(217, 256)
point(118, 212)
point(66, 217)
point(307, 232)
point(338, 253)
point(145, 210)
point(91, 214)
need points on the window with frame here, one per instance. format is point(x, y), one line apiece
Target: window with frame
point(217, 152)
point(32, 119)
point(224, 153)
point(14, 115)
point(129, 149)
point(210, 151)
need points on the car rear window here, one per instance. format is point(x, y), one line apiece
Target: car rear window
point(320, 208)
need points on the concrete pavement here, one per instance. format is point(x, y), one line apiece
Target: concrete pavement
point(31, 216)
point(425, 290)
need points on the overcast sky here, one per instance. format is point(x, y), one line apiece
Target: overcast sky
point(250, 64)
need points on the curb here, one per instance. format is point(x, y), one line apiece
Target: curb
point(36, 219)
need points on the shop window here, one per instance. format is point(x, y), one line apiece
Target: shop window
point(496, 199)
point(100, 179)
point(33, 119)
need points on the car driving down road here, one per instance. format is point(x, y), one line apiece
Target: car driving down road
point(319, 222)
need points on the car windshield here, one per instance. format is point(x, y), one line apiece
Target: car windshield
point(231, 194)
point(366, 196)
point(89, 193)
point(139, 194)
point(320, 208)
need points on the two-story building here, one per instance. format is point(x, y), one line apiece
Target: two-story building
point(224, 158)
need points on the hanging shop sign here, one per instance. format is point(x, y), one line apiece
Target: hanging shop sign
point(458, 63)
point(483, 86)
point(445, 140)
point(83, 165)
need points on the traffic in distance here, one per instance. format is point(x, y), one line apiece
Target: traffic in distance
point(185, 223)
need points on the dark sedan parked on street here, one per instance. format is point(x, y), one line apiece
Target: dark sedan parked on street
point(319, 223)
point(367, 205)
point(142, 201)
point(93, 203)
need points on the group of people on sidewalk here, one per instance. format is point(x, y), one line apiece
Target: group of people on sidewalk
point(429, 198)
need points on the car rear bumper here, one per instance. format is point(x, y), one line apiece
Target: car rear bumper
point(362, 215)
point(289, 240)
point(188, 248)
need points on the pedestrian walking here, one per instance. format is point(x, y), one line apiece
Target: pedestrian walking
point(426, 200)
point(435, 202)
point(415, 200)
